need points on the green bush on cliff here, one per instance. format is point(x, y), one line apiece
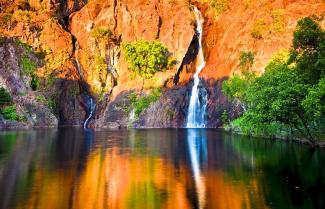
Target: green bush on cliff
point(139, 104)
point(258, 29)
point(246, 60)
point(146, 57)
point(9, 112)
point(219, 5)
point(5, 97)
point(101, 33)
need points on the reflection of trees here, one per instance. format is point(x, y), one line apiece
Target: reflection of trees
point(288, 175)
point(151, 169)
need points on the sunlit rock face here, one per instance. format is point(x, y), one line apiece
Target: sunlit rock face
point(169, 22)
point(263, 27)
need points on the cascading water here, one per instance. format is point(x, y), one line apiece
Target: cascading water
point(90, 104)
point(198, 100)
point(91, 108)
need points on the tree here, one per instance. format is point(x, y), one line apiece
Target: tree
point(308, 52)
point(146, 57)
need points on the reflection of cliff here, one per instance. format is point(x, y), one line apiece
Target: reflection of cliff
point(136, 169)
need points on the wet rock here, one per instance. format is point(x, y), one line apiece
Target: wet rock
point(117, 113)
point(168, 112)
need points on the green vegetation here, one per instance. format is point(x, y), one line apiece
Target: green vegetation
point(225, 117)
point(139, 104)
point(5, 97)
point(9, 112)
point(219, 5)
point(101, 33)
point(289, 98)
point(258, 29)
point(28, 66)
point(246, 60)
point(7, 108)
point(29, 69)
point(145, 57)
point(278, 24)
point(51, 102)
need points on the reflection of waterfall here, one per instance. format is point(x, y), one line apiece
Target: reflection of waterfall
point(197, 145)
point(198, 100)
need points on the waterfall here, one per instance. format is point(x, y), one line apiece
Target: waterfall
point(198, 100)
point(90, 103)
point(91, 107)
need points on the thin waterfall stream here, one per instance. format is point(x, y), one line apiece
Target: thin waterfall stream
point(90, 103)
point(198, 100)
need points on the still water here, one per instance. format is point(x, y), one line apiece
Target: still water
point(156, 168)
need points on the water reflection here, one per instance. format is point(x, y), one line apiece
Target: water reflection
point(191, 168)
point(197, 146)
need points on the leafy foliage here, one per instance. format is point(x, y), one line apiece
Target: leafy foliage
point(246, 60)
point(146, 58)
point(9, 112)
point(290, 95)
point(5, 97)
point(235, 88)
point(27, 65)
point(258, 29)
point(219, 5)
point(141, 103)
point(308, 52)
point(101, 33)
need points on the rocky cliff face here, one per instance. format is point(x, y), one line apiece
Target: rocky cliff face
point(33, 111)
point(80, 46)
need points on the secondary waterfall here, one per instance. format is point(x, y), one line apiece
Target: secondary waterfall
point(90, 103)
point(198, 100)
point(91, 107)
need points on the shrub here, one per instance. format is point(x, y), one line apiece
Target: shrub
point(7, 21)
point(219, 5)
point(141, 103)
point(246, 60)
point(258, 29)
point(27, 65)
point(146, 58)
point(225, 117)
point(101, 33)
point(5, 97)
point(278, 20)
point(10, 113)
point(41, 98)
point(101, 67)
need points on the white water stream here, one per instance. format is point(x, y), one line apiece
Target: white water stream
point(198, 100)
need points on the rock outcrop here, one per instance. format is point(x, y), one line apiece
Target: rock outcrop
point(16, 81)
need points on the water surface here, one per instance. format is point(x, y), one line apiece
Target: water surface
point(156, 168)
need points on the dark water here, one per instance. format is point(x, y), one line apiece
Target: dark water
point(160, 168)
